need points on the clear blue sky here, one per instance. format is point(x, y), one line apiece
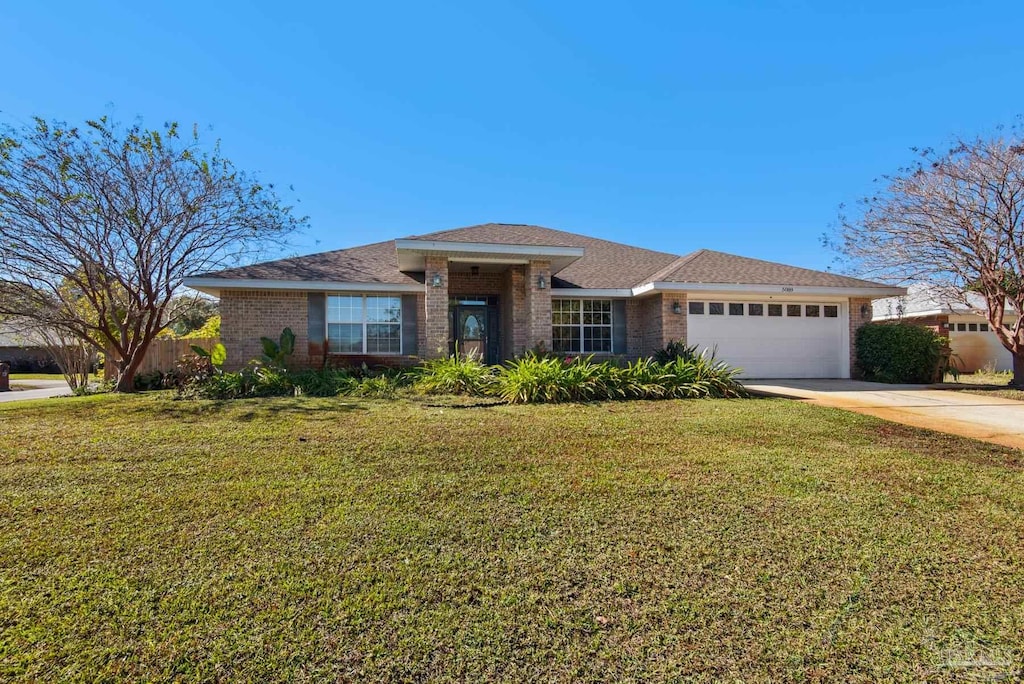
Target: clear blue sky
point(676, 125)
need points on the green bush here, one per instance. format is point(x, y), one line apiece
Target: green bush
point(379, 387)
point(898, 352)
point(328, 382)
point(152, 380)
point(676, 349)
point(455, 375)
point(535, 379)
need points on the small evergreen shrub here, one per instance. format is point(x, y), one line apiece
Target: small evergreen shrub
point(152, 380)
point(898, 352)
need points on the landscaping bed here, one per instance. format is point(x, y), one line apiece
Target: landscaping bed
point(337, 539)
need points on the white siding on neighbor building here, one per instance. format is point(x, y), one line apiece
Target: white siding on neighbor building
point(786, 346)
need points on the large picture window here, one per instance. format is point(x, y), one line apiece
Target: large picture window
point(364, 324)
point(581, 326)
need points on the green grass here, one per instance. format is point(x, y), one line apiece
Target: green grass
point(322, 540)
point(987, 385)
point(980, 378)
point(49, 376)
point(1015, 394)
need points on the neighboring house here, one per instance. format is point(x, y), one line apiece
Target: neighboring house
point(975, 347)
point(25, 351)
point(504, 289)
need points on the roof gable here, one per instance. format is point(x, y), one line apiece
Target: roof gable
point(709, 266)
point(604, 265)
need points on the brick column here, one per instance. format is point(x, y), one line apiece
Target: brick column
point(673, 324)
point(519, 322)
point(634, 328)
point(435, 319)
point(856, 321)
point(538, 304)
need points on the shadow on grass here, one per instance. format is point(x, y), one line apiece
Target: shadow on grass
point(246, 410)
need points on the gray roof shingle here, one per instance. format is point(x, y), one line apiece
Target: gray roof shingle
point(708, 266)
point(605, 264)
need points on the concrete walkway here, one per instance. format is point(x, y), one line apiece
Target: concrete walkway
point(991, 419)
point(44, 390)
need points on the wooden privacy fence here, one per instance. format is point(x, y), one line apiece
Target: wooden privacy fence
point(164, 352)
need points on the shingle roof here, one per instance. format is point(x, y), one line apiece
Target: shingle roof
point(605, 264)
point(708, 266)
point(375, 263)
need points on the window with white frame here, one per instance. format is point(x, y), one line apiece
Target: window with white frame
point(364, 324)
point(581, 326)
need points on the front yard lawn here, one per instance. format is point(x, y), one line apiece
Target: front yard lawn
point(986, 385)
point(323, 540)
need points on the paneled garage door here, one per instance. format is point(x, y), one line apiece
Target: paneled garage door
point(769, 340)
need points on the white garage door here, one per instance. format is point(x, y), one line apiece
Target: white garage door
point(766, 340)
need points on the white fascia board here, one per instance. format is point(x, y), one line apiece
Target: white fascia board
point(798, 290)
point(603, 293)
point(215, 285)
point(487, 248)
point(910, 314)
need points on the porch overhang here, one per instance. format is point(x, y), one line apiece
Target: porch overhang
point(412, 254)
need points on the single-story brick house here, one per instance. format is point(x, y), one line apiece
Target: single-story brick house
point(25, 351)
point(975, 347)
point(504, 289)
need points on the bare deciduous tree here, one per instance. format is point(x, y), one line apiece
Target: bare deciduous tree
point(74, 356)
point(953, 219)
point(100, 224)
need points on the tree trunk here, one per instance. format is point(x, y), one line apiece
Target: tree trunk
point(126, 378)
point(1018, 371)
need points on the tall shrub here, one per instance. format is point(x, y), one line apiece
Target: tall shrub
point(898, 352)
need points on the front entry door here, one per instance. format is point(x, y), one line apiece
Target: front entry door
point(471, 331)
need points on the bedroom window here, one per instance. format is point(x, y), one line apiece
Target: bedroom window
point(364, 324)
point(581, 326)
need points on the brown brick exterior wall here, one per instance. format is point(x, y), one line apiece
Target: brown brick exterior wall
point(519, 321)
point(634, 329)
point(856, 321)
point(465, 283)
point(538, 305)
point(248, 315)
point(435, 310)
point(659, 324)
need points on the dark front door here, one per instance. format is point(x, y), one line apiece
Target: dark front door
point(475, 330)
point(471, 333)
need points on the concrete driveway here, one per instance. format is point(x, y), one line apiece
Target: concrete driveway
point(43, 389)
point(1000, 421)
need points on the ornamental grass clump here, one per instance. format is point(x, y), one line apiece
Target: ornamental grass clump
point(535, 379)
point(455, 374)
